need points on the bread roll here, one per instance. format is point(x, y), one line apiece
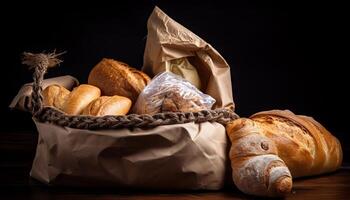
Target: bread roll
point(55, 96)
point(256, 167)
point(304, 145)
point(79, 98)
point(117, 78)
point(105, 105)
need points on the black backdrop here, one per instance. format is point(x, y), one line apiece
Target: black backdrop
point(282, 56)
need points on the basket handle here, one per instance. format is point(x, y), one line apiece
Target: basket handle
point(40, 63)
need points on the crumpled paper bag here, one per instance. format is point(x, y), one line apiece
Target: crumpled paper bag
point(181, 156)
point(168, 40)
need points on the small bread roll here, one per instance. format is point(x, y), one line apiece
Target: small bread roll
point(55, 96)
point(79, 98)
point(117, 78)
point(106, 105)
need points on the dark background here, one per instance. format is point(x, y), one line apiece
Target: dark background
point(282, 56)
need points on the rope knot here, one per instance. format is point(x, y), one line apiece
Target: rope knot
point(41, 60)
point(40, 63)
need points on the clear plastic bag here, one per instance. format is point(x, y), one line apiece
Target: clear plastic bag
point(168, 92)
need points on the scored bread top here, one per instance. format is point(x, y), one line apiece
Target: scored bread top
point(299, 140)
point(117, 78)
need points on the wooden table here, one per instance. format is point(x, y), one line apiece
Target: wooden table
point(17, 151)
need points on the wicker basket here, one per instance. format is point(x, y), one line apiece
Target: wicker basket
point(41, 62)
point(162, 151)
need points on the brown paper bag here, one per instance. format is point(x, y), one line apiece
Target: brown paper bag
point(181, 156)
point(168, 40)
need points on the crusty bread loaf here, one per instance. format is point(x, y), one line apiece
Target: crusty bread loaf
point(256, 167)
point(269, 137)
point(79, 98)
point(117, 78)
point(304, 145)
point(108, 105)
point(55, 96)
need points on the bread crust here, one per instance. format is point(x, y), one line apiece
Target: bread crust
point(79, 98)
point(256, 167)
point(55, 96)
point(117, 78)
point(271, 147)
point(304, 144)
point(108, 105)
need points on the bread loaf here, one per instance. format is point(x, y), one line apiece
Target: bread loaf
point(55, 96)
point(106, 105)
point(304, 145)
point(117, 78)
point(256, 167)
point(79, 98)
point(268, 140)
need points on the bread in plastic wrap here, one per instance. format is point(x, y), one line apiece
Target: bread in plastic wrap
point(168, 92)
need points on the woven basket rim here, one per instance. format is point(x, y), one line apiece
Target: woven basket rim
point(41, 62)
point(57, 117)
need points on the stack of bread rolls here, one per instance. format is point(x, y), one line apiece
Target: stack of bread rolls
point(119, 84)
